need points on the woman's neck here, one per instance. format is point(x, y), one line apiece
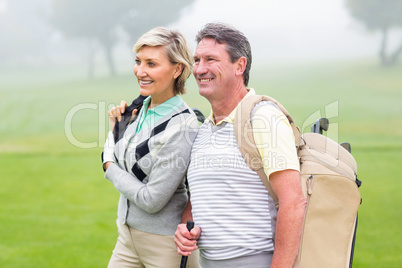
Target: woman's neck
point(157, 100)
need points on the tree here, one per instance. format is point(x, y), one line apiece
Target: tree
point(379, 15)
point(23, 35)
point(98, 20)
point(151, 14)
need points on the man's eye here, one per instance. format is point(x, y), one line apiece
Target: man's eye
point(196, 60)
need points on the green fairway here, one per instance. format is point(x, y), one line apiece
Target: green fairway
point(57, 210)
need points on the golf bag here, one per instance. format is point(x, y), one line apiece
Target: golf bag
point(329, 183)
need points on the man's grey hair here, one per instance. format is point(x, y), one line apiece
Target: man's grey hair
point(236, 42)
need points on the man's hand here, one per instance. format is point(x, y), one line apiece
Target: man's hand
point(185, 240)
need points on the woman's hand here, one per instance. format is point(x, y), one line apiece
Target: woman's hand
point(115, 113)
point(106, 165)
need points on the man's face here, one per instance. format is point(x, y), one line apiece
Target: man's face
point(213, 70)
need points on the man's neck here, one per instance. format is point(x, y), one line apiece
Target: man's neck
point(222, 108)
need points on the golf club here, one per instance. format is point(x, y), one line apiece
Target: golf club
point(320, 125)
point(347, 146)
point(183, 263)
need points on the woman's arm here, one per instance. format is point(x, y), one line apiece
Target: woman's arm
point(168, 171)
point(115, 115)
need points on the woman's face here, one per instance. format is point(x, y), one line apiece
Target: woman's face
point(155, 73)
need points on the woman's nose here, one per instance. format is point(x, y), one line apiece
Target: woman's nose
point(139, 71)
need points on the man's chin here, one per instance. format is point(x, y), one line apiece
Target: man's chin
point(204, 94)
point(204, 91)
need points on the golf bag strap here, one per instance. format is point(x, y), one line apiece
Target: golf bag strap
point(245, 138)
point(120, 127)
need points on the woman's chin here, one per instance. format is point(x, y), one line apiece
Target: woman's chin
point(145, 91)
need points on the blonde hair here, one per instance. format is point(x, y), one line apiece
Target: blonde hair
point(177, 51)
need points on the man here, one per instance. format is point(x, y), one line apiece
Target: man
point(237, 224)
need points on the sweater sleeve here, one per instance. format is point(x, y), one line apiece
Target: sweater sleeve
point(168, 171)
point(108, 150)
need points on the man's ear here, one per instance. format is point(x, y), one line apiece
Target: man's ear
point(241, 65)
point(179, 70)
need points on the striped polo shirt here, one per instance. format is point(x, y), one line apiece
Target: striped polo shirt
point(230, 203)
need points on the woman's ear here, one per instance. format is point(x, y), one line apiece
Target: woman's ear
point(179, 70)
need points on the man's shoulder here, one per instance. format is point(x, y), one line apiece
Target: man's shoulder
point(266, 109)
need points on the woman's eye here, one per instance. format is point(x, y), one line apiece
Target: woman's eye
point(137, 62)
point(151, 64)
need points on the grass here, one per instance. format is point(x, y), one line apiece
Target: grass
point(57, 210)
point(54, 217)
point(378, 241)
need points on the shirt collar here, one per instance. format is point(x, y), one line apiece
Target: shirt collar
point(163, 108)
point(230, 118)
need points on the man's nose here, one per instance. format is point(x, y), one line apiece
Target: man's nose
point(200, 67)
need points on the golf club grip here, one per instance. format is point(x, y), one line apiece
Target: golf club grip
point(183, 263)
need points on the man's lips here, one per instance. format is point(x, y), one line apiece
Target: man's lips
point(204, 79)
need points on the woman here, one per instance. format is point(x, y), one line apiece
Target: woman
point(148, 163)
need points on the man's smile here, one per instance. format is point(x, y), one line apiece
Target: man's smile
point(205, 79)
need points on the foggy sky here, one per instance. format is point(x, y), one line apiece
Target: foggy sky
point(286, 30)
point(289, 29)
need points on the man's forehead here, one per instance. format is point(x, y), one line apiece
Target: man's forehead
point(209, 46)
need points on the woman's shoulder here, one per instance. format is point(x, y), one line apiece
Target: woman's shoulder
point(184, 115)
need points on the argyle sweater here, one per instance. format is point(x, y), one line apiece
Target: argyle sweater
point(150, 171)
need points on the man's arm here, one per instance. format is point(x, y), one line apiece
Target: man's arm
point(187, 215)
point(292, 203)
point(274, 137)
